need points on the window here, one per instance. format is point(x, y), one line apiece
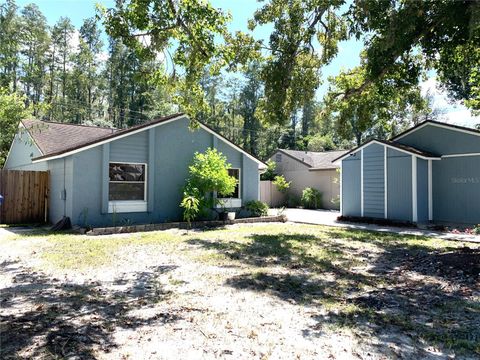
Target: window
point(236, 193)
point(233, 200)
point(278, 158)
point(127, 187)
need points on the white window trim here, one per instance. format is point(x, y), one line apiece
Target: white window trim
point(125, 206)
point(232, 202)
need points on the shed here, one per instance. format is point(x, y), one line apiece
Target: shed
point(429, 173)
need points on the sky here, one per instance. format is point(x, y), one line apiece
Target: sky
point(242, 11)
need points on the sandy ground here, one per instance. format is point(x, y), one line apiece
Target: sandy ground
point(153, 305)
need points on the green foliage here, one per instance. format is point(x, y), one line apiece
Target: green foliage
point(311, 198)
point(281, 184)
point(191, 207)
point(321, 143)
point(292, 70)
point(12, 111)
point(193, 25)
point(378, 109)
point(208, 173)
point(257, 208)
point(270, 173)
point(445, 33)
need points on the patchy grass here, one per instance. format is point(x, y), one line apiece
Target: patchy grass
point(371, 283)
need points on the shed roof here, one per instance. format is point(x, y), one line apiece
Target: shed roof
point(395, 145)
point(56, 140)
point(315, 160)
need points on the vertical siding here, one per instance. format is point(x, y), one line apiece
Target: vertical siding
point(373, 181)
point(422, 191)
point(133, 148)
point(456, 190)
point(351, 185)
point(399, 192)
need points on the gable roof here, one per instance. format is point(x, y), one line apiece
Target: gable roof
point(394, 145)
point(315, 160)
point(53, 137)
point(57, 140)
point(437, 124)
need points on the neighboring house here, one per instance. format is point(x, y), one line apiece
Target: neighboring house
point(430, 173)
point(99, 175)
point(310, 169)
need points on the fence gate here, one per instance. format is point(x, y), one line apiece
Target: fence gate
point(25, 196)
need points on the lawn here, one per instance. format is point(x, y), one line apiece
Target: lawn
point(251, 291)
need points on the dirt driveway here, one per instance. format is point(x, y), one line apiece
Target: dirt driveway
point(275, 291)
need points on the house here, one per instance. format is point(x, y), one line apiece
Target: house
point(310, 169)
point(429, 173)
point(100, 176)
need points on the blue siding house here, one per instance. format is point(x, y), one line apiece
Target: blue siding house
point(100, 175)
point(428, 174)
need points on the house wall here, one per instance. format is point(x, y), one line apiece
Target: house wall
point(351, 185)
point(21, 153)
point(172, 148)
point(287, 163)
point(456, 190)
point(326, 181)
point(373, 181)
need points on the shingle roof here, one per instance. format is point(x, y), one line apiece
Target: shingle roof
point(52, 137)
point(60, 139)
point(394, 144)
point(314, 159)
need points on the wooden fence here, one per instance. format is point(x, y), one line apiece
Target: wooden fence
point(270, 195)
point(25, 196)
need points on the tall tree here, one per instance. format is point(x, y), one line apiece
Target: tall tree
point(62, 34)
point(153, 26)
point(249, 98)
point(9, 45)
point(35, 43)
point(446, 33)
point(304, 38)
point(89, 50)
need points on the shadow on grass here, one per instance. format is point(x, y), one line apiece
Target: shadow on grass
point(406, 287)
point(46, 318)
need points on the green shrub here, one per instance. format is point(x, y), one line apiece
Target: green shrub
point(270, 173)
point(208, 173)
point(257, 208)
point(191, 207)
point(292, 201)
point(311, 198)
point(281, 184)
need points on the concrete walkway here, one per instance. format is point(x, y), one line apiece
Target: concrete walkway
point(329, 218)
